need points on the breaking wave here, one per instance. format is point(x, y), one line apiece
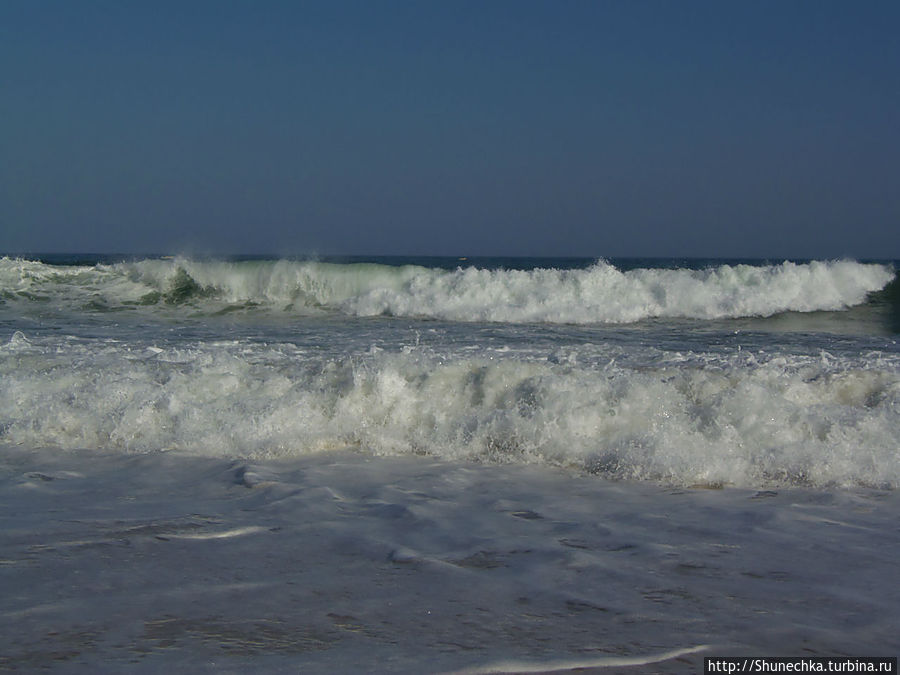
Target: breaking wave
point(738, 418)
point(601, 293)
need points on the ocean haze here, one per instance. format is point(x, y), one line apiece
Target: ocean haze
point(508, 128)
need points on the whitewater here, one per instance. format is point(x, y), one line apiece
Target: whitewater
point(445, 465)
point(599, 293)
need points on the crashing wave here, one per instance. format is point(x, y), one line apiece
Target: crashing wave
point(601, 293)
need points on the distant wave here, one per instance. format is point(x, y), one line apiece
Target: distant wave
point(600, 293)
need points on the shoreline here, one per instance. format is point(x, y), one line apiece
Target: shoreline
point(341, 560)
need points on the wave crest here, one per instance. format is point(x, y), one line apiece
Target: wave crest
point(601, 293)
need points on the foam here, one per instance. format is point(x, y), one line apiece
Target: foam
point(741, 418)
point(570, 665)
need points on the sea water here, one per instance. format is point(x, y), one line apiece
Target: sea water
point(413, 465)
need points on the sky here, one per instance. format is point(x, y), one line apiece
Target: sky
point(490, 127)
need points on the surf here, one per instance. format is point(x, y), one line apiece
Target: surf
point(738, 418)
point(600, 293)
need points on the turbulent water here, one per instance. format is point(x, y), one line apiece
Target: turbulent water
point(690, 372)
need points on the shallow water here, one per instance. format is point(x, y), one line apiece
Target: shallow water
point(341, 561)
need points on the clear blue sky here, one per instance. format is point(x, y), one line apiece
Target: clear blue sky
point(605, 128)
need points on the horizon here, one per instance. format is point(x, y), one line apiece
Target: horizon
point(88, 257)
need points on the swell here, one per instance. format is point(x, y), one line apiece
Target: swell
point(600, 293)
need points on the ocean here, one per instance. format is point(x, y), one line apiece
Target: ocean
point(408, 465)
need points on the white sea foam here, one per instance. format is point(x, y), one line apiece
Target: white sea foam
point(738, 418)
point(603, 293)
point(571, 665)
point(598, 294)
